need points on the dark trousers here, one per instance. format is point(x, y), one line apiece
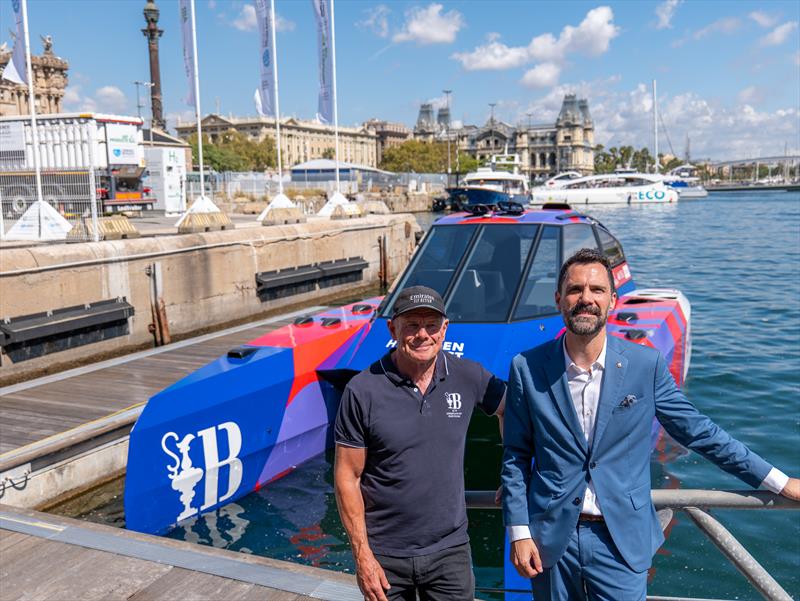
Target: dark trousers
point(591, 569)
point(441, 576)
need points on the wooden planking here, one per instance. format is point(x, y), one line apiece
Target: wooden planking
point(194, 586)
point(60, 571)
point(30, 415)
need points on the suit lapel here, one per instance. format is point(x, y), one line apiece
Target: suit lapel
point(556, 372)
point(613, 375)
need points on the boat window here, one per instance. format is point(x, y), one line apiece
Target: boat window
point(437, 260)
point(538, 294)
point(487, 285)
point(611, 247)
point(576, 237)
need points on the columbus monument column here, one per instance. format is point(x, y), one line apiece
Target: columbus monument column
point(152, 33)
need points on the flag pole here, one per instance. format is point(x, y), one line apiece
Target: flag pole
point(277, 95)
point(335, 100)
point(197, 103)
point(32, 105)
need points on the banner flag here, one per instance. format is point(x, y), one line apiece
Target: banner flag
point(188, 49)
point(257, 101)
point(266, 31)
point(16, 70)
point(322, 11)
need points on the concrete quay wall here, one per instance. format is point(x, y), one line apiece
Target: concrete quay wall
point(206, 280)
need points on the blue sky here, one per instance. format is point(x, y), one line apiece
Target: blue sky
point(728, 72)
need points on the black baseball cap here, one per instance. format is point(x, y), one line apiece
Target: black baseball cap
point(418, 297)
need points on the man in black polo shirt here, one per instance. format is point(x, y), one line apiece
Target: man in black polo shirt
point(399, 475)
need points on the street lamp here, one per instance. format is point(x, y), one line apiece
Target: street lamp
point(139, 105)
point(447, 131)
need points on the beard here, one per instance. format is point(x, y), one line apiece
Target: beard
point(582, 325)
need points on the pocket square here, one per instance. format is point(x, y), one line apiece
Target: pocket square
point(628, 400)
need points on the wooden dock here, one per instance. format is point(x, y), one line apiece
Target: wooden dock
point(50, 406)
point(48, 557)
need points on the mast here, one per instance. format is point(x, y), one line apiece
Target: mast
point(655, 126)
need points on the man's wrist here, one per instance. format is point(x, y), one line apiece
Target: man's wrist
point(518, 532)
point(775, 481)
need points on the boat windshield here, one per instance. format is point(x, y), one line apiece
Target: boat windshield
point(479, 269)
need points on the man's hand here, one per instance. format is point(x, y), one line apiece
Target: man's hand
point(371, 579)
point(525, 557)
point(792, 489)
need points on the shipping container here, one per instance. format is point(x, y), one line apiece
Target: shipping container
point(70, 145)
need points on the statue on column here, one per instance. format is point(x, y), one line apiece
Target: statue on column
point(47, 43)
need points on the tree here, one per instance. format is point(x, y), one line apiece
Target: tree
point(329, 153)
point(235, 151)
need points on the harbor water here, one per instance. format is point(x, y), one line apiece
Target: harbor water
point(737, 258)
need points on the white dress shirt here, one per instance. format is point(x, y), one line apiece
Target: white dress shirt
point(584, 388)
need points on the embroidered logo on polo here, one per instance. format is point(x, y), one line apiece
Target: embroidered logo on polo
point(453, 404)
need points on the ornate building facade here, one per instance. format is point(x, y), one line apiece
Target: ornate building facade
point(388, 135)
point(544, 150)
point(49, 82)
point(301, 141)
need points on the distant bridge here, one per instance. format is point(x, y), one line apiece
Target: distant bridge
point(784, 158)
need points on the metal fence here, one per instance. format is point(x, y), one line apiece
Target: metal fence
point(696, 504)
point(227, 186)
point(69, 206)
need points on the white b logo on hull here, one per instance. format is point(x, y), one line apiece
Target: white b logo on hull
point(185, 476)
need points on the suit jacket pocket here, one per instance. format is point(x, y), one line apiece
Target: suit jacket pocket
point(640, 496)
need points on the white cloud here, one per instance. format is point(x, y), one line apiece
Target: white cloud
point(763, 19)
point(107, 99)
point(493, 56)
point(247, 20)
point(780, 34)
point(591, 37)
point(543, 75)
point(111, 99)
point(750, 95)
point(212, 4)
point(665, 11)
point(377, 20)
point(724, 25)
point(430, 26)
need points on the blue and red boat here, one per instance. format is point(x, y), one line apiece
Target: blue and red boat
point(264, 408)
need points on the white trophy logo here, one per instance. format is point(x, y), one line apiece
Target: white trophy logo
point(185, 476)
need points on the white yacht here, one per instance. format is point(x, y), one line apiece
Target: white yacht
point(611, 188)
point(683, 180)
point(500, 183)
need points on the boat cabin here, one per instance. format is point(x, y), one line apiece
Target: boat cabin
point(502, 267)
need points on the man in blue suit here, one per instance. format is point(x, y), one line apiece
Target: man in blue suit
point(576, 463)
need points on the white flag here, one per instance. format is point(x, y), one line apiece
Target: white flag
point(322, 11)
point(257, 100)
point(187, 25)
point(266, 30)
point(15, 69)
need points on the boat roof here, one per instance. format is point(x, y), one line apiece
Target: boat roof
point(542, 216)
point(487, 173)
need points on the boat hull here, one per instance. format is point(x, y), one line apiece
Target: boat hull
point(605, 196)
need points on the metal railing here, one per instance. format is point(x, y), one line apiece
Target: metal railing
point(696, 503)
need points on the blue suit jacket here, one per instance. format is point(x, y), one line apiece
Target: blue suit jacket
point(541, 424)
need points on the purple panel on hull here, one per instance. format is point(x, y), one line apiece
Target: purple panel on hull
point(302, 434)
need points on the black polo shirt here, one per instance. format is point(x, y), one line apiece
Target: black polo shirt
point(413, 480)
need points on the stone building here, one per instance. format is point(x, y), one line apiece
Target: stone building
point(544, 150)
point(388, 135)
point(49, 82)
point(301, 141)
